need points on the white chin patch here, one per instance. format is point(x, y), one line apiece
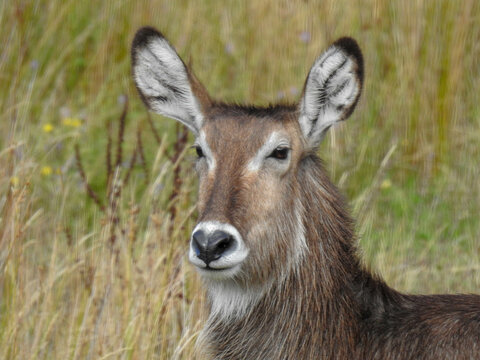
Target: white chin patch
point(231, 301)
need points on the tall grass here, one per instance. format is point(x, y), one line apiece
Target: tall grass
point(83, 281)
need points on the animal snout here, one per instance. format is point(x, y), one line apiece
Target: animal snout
point(211, 247)
point(216, 246)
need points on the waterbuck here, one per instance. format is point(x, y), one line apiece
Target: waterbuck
point(274, 243)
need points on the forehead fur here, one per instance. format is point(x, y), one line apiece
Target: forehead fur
point(277, 112)
point(249, 125)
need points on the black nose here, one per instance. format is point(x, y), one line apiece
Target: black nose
point(213, 246)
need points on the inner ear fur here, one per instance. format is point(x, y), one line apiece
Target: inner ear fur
point(164, 82)
point(332, 89)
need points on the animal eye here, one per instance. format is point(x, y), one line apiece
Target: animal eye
point(280, 153)
point(199, 151)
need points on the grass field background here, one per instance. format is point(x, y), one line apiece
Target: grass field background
point(106, 276)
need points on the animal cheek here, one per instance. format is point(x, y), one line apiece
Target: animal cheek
point(264, 205)
point(267, 254)
point(266, 195)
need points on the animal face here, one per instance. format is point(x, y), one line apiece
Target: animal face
point(250, 227)
point(247, 166)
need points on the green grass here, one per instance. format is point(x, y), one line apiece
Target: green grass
point(408, 159)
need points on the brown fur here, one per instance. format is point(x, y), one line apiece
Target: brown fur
point(301, 292)
point(328, 306)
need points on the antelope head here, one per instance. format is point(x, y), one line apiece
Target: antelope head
point(251, 225)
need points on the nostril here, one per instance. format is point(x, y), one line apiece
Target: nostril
point(199, 242)
point(224, 245)
point(219, 244)
point(195, 246)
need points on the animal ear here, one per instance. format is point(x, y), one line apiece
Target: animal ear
point(332, 89)
point(164, 82)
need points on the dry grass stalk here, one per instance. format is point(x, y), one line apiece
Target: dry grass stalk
point(178, 148)
point(87, 185)
point(109, 154)
point(152, 127)
point(121, 132)
point(141, 153)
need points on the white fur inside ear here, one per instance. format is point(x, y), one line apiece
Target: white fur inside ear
point(162, 79)
point(332, 88)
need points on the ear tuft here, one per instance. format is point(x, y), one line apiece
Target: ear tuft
point(351, 48)
point(143, 37)
point(332, 89)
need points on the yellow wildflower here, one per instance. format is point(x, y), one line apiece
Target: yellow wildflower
point(46, 171)
point(72, 122)
point(385, 184)
point(14, 180)
point(47, 127)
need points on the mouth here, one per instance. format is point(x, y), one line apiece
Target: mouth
point(213, 269)
point(224, 265)
point(218, 273)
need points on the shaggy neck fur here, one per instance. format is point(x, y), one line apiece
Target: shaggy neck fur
point(331, 308)
point(314, 305)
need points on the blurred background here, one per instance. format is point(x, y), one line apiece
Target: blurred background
point(97, 197)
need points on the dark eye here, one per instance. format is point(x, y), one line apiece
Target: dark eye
point(199, 151)
point(280, 153)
